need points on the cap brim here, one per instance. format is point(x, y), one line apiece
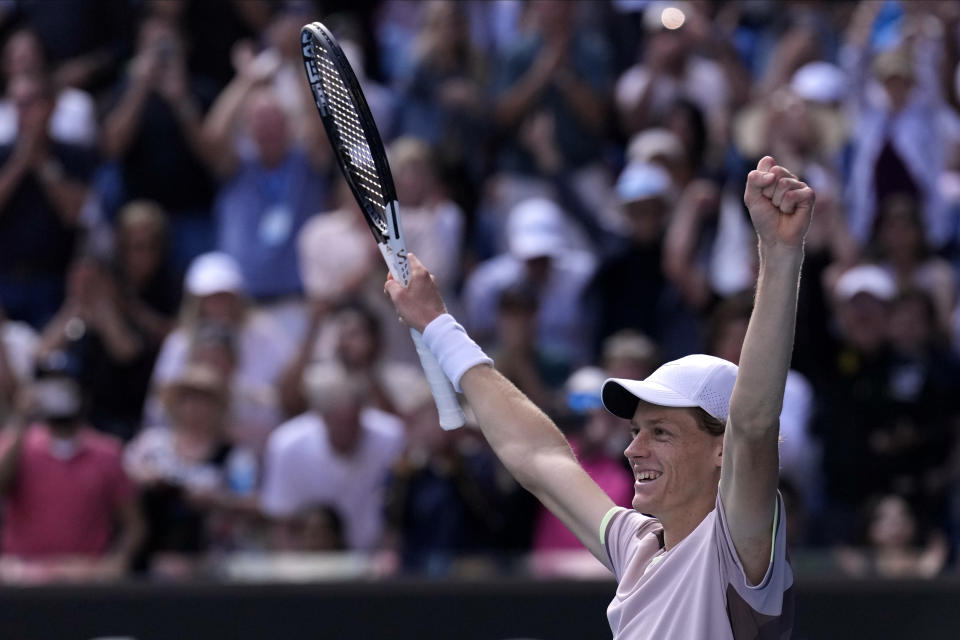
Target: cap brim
point(621, 396)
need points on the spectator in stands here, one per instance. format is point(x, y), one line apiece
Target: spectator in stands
point(629, 354)
point(338, 453)
point(271, 183)
point(598, 442)
point(254, 407)
point(441, 99)
point(340, 264)
point(357, 337)
point(539, 256)
point(211, 51)
point(87, 40)
point(895, 544)
point(433, 224)
point(215, 293)
point(901, 119)
point(69, 510)
point(515, 348)
point(566, 72)
point(664, 148)
point(103, 346)
point(18, 358)
point(445, 494)
point(800, 123)
point(152, 132)
point(901, 248)
point(317, 528)
point(43, 187)
point(687, 61)
point(188, 473)
point(853, 395)
point(636, 270)
point(74, 119)
point(150, 291)
point(915, 442)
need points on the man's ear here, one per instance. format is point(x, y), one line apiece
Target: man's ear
point(719, 449)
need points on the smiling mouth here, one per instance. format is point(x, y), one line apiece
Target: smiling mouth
point(644, 477)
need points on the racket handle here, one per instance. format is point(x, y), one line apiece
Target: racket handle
point(451, 416)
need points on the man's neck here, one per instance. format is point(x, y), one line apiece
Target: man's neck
point(679, 524)
point(63, 431)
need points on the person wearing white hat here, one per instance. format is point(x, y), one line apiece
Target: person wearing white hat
point(216, 294)
point(702, 554)
point(539, 254)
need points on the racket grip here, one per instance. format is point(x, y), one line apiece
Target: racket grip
point(451, 416)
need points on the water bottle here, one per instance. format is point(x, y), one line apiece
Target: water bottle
point(242, 471)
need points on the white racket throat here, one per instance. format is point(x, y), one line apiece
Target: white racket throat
point(394, 250)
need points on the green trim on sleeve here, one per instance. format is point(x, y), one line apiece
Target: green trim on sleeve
point(606, 521)
point(776, 521)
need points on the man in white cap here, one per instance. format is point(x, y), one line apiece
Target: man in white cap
point(702, 554)
point(539, 254)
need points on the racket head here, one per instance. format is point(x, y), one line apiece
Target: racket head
point(350, 127)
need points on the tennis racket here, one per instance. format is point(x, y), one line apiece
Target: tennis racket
point(360, 154)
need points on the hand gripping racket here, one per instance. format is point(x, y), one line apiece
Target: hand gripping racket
point(360, 154)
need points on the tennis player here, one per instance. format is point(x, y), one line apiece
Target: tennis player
point(703, 552)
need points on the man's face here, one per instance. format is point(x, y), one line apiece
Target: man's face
point(267, 123)
point(646, 219)
point(676, 464)
point(863, 321)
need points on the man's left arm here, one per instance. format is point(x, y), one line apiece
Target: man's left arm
point(780, 207)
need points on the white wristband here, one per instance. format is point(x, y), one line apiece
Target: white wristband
point(453, 348)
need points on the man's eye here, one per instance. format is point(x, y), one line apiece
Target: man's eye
point(658, 432)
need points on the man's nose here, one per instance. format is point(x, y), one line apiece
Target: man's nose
point(638, 447)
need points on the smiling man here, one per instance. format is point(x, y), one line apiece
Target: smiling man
point(703, 552)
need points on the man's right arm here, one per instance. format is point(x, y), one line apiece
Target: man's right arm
point(535, 452)
point(530, 446)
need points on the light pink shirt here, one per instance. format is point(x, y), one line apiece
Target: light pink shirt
point(697, 589)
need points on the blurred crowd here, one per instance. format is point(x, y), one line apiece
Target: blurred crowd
point(196, 356)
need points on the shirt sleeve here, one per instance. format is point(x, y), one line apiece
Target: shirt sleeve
point(766, 597)
point(618, 535)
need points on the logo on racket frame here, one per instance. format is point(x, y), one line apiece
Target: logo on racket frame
point(313, 75)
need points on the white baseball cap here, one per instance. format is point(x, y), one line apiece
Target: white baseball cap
point(642, 180)
point(536, 229)
point(692, 381)
point(820, 82)
point(865, 278)
point(214, 272)
point(649, 144)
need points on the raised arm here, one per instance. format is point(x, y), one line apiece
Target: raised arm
point(780, 207)
point(523, 437)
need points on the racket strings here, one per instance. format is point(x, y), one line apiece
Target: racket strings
point(352, 139)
